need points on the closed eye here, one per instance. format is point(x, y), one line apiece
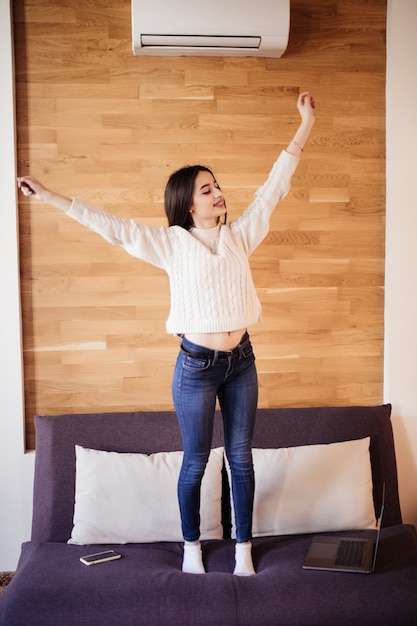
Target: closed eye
point(209, 188)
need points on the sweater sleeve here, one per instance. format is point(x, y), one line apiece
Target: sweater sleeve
point(153, 245)
point(253, 225)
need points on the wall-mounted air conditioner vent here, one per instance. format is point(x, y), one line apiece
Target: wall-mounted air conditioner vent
point(210, 27)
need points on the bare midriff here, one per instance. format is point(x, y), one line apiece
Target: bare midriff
point(217, 341)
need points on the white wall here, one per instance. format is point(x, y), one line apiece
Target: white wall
point(401, 251)
point(16, 468)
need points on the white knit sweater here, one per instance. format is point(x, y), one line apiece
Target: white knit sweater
point(211, 291)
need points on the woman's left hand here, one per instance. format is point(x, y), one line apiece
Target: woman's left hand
point(306, 105)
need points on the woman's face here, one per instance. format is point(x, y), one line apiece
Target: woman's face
point(208, 201)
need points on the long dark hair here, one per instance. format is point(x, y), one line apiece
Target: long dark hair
point(179, 195)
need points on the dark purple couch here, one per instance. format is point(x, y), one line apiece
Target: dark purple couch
point(147, 587)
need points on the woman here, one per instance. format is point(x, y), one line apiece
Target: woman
point(213, 302)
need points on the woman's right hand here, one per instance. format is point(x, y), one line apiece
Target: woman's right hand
point(32, 187)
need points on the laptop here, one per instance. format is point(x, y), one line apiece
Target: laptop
point(340, 553)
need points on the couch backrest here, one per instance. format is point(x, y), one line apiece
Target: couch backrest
point(147, 432)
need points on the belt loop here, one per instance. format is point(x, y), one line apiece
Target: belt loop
point(215, 355)
point(244, 341)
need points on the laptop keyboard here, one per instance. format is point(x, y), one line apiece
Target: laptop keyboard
point(350, 553)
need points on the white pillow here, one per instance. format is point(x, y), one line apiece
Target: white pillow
point(315, 488)
point(132, 498)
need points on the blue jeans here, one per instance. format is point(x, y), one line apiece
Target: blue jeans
point(202, 375)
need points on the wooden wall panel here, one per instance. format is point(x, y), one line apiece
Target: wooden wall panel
point(97, 122)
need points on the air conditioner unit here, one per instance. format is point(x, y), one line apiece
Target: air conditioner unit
point(210, 27)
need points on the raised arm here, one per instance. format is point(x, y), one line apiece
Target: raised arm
point(153, 245)
point(305, 106)
point(30, 186)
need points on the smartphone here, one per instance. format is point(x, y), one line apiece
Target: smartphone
point(100, 557)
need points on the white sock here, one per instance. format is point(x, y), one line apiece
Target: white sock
point(244, 565)
point(193, 559)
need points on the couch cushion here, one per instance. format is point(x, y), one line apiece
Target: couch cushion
point(145, 432)
point(147, 588)
point(132, 498)
point(308, 489)
point(288, 427)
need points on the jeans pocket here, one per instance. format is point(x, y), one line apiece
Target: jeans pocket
point(195, 364)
